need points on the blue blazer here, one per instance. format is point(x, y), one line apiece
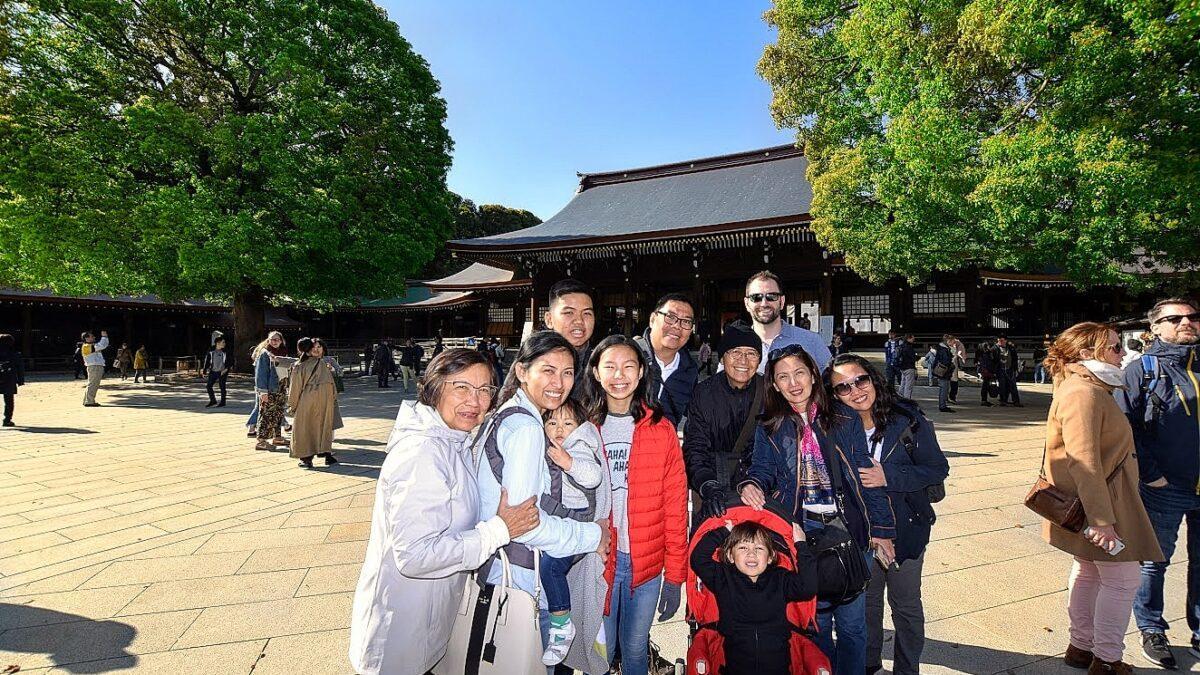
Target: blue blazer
point(868, 511)
point(908, 477)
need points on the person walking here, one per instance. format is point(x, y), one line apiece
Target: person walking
point(141, 361)
point(216, 367)
point(672, 373)
point(426, 535)
point(1160, 400)
point(12, 375)
point(93, 359)
point(77, 361)
point(383, 364)
point(1090, 453)
point(1008, 367)
point(124, 359)
point(270, 392)
point(906, 364)
point(312, 400)
point(907, 462)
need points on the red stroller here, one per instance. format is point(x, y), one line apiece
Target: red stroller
point(706, 654)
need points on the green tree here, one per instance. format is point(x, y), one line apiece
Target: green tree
point(471, 221)
point(253, 150)
point(1002, 133)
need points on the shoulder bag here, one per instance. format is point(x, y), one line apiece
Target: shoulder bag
point(1056, 505)
point(496, 630)
point(834, 547)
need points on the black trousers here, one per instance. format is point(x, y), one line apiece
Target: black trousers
point(1008, 388)
point(954, 390)
point(381, 373)
point(214, 378)
point(983, 390)
point(8, 407)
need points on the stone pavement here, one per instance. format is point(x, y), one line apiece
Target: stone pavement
point(149, 535)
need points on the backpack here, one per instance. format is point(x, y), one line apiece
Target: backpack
point(934, 493)
point(550, 503)
point(1151, 374)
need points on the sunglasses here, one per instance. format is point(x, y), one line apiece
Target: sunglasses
point(789, 350)
point(860, 382)
point(759, 297)
point(1176, 319)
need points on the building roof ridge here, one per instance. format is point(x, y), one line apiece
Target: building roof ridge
point(594, 179)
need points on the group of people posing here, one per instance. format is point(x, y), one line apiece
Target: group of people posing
point(577, 452)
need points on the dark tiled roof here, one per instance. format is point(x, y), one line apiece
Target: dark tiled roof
point(759, 187)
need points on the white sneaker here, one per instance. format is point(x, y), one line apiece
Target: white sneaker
point(560, 644)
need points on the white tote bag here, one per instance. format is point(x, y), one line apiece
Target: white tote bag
point(496, 630)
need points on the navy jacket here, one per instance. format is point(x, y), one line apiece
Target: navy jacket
point(906, 357)
point(14, 374)
point(868, 511)
point(1168, 447)
point(677, 392)
point(908, 477)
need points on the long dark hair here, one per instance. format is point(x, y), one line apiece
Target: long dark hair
point(533, 348)
point(777, 409)
point(883, 410)
point(641, 395)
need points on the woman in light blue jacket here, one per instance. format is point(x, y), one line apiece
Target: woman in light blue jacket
point(426, 535)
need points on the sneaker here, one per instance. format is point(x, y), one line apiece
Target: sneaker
point(251, 433)
point(305, 463)
point(985, 404)
point(1158, 651)
point(9, 423)
point(560, 643)
point(330, 460)
point(263, 445)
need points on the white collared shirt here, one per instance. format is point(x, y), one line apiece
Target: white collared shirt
point(667, 370)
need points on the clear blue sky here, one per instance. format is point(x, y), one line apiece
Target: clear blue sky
point(540, 89)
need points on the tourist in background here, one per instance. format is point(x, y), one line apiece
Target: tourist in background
point(1090, 453)
point(383, 364)
point(704, 355)
point(426, 535)
point(77, 361)
point(985, 366)
point(943, 369)
point(930, 358)
point(408, 363)
point(1160, 400)
point(960, 360)
point(141, 361)
point(803, 438)
point(312, 400)
point(124, 359)
point(216, 368)
point(93, 359)
point(270, 392)
point(1008, 368)
point(12, 375)
point(1133, 352)
point(672, 373)
point(648, 566)
point(891, 349)
point(906, 461)
point(906, 364)
point(1039, 357)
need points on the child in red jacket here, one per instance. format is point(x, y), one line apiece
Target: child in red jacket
point(648, 566)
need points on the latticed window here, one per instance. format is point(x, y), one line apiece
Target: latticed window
point(867, 313)
point(499, 314)
point(939, 304)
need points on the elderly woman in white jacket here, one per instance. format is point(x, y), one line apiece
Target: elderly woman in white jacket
point(425, 531)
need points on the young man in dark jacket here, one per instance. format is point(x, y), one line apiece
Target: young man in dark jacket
point(1160, 399)
point(12, 374)
point(571, 313)
point(1007, 364)
point(673, 371)
point(720, 408)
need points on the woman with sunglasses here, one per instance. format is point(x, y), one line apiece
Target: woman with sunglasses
point(905, 460)
point(1090, 454)
point(803, 440)
point(426, 533)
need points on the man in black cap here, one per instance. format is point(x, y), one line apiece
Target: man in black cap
point(719, 437)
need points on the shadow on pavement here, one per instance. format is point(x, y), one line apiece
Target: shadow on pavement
point(54, 430)
point(73, 643)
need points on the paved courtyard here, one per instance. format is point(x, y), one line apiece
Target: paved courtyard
point(149, 535)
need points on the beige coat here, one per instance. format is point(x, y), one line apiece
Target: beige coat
point(312, 398)
point(1087, 437)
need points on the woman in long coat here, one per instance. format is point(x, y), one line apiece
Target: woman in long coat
point(1090, 453)
point(426, 533)
point(312, 400)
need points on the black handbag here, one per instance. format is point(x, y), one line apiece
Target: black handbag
point(834, 548)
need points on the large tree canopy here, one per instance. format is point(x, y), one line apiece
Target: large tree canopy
point(1015, 134)
point(249, 149)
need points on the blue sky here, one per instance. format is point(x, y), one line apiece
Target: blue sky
point(538, 90)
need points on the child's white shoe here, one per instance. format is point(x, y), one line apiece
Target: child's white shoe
point(560, 643)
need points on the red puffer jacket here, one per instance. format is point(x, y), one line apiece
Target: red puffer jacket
point(657, 507)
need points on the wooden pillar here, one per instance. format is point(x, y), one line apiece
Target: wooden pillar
point(128, 336)
point(827, 304)
point(332, 324)
point(27, 331)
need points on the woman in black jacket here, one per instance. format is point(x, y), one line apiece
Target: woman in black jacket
point(12, 374)
point(906, 461)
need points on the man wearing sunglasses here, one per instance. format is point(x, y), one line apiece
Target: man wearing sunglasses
point(1160, 398)
point(765, 302)
point(673, 371)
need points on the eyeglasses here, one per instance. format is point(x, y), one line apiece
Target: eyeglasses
point(743, 355)
point(759, 297)
point(464, 390)
point(1176, 319)
point(673, 320)
point(860, 382)
point(786, 350)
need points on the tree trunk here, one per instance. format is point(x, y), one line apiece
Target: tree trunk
point(249, 326)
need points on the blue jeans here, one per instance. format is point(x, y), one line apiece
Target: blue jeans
point(629, 618)
point(554, 582)
point(848, 654)
point(253, 420)
point(1168, 506)
point(943, 392)
point(1039, 374)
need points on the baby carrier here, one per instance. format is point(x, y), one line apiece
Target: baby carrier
point(706, 654)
